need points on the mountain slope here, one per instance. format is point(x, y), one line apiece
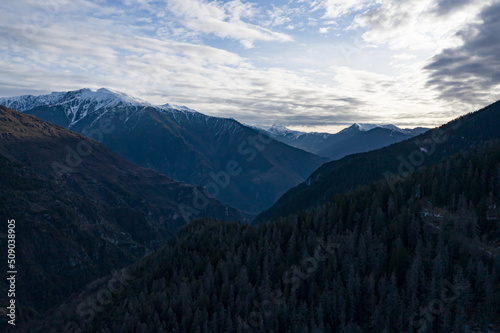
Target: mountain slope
point(357, 138)
point(361, 169)
point(237, 164)
point(425, 258)
point(81, 210)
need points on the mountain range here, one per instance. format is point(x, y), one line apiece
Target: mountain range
point(396, 160)
point(417, 251)
point(240, 166)
point(81, 209)
point(362, 244)
point(357, 138)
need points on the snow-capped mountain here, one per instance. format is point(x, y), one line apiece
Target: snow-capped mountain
point(76, 104)
point(357, 138)
point(369, 127)
point(85, 104)
point(100, 98)
point(218, 153)
point(280, 130)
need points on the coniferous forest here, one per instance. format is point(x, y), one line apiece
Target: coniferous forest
point(424, 257)
point(250, 166)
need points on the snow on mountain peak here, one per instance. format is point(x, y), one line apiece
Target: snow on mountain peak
point(278, 129)
point(365, 127)
point(369, 127)
point(78, 104)
point(104, 94)
point(26, 102)
point(102, 97)
point(281, 130)
point(170, 107)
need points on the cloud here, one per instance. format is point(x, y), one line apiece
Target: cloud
point(76, 49)
point(279, 16)
point(470, 73)
point(324, 30)
point(393, 99)
point(185, 53)
point(225, 20)
point(445, 7)
point(338, 8)
point(404, 56)
point(417, 24)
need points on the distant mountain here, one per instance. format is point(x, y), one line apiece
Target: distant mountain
point(361, 169)
point(311, 142)
point(423, 258)
point(81, 210)
point(360, 138)
point(237, 164)
point(357, 138)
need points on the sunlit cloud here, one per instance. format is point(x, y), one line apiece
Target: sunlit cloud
point(337, 8)
point(306, 64)
point(416, 24)
point(225, 20)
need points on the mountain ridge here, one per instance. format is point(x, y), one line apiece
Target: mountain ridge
point(357, 138)
point(93, 212)
point(187, 146)
point(423, 257)
point(397, 159)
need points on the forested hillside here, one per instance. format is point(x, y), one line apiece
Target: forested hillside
point(238, 165)
point(420, 256)
point(81, 210)
point(361, 169)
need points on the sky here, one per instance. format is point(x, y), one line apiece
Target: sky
point(312, 65)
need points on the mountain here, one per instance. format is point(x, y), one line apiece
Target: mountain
point(407, 156)
point(366, 137)
point(357, 138)
point(235, 163)
point(311, 142)
point(81, 210)
point(423, 258)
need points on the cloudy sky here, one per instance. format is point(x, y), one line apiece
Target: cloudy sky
point(309, 64)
